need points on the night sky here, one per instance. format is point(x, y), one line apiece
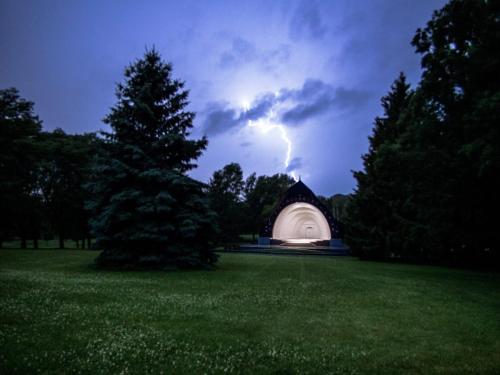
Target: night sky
point(278, 86)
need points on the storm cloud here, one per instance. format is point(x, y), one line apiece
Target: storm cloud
point(242, 52)
point(306, 22)
point(292, 107)
point(316, 98)
point(220, 119)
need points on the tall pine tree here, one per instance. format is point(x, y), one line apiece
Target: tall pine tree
point(146, 213)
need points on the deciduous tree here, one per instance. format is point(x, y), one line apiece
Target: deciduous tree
point(19, 198)
point(225, 190)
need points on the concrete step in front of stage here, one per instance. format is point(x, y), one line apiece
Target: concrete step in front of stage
point(291, 250)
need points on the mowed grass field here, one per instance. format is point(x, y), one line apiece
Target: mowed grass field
point(255, 314)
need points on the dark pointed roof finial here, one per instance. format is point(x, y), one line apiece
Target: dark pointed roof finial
point(299, 177)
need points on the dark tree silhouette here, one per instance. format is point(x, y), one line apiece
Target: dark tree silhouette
point(146, 212)
point(225, 190)
point(62, 172)
point(261, 196)
point(372, 213)
point(429, 188)
point(19, 198)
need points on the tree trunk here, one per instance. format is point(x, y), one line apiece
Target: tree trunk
point(83, 243)
point(88, 243)
point(77, 244)
point(23, 243)
point(61, 242)
point(35, 243)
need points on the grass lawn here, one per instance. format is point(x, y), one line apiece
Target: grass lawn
point(255, 314)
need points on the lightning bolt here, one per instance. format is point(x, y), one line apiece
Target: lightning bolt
point(266, 125)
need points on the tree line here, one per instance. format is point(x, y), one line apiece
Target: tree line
point(45, 174)
point(42, 177)
point(429, 189)
point(244, 205)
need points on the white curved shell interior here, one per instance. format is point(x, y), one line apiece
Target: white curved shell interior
point(301, 221)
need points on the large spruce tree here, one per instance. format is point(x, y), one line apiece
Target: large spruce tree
point(146, 212)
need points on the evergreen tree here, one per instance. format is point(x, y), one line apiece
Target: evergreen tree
point(372, 217)
point(146, 212)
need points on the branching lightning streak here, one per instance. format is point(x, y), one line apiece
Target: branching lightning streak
point(266, 125)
